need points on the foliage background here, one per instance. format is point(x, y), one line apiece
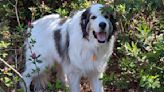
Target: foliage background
point(137, 63)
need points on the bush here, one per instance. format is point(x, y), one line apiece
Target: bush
point(139, 51)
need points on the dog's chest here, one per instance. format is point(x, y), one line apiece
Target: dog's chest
point(95, 54)
point(90, 59)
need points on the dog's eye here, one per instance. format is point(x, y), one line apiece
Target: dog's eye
point(93, 17)
point(106, 16)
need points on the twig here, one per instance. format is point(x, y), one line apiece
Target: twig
point(11, 3)
point(16, 66)
point(14, 71)
point(11, 67)
point(16, 59)
point(16, 10)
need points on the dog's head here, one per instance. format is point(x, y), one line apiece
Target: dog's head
point(96, 24)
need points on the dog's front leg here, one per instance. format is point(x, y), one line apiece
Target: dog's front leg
point(96, 84)
point(74, 82)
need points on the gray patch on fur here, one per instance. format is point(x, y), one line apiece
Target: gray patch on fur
point(66, 49)
point(67, 42)
point(57, 38)
point(63, 52)
point(62, 21)
point(72, 13)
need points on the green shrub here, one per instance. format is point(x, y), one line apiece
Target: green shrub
point(140, 45)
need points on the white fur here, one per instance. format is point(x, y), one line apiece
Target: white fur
point(80, 50)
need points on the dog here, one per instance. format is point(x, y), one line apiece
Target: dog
point(80, 45)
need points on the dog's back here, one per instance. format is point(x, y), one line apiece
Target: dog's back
point(43, 48)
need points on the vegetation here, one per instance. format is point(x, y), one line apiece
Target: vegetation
point(137, 63)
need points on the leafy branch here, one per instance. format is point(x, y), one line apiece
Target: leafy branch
point(13, 70)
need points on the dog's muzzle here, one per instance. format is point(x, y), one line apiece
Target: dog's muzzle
point(100, 36)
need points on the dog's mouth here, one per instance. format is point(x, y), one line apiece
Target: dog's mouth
point(100, 36)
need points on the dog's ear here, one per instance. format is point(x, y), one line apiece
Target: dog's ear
point(113, 21)
point(84, 21)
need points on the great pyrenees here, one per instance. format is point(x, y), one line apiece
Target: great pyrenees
point(79, 45)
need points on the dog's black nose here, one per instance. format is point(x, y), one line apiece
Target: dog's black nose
point(102, 25)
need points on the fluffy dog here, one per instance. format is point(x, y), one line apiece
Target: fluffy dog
point(81, 45)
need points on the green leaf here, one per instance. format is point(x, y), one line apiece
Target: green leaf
point(58, 84)
point(39, 61)
point(4, 44)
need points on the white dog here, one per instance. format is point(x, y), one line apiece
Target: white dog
point(81, 45)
